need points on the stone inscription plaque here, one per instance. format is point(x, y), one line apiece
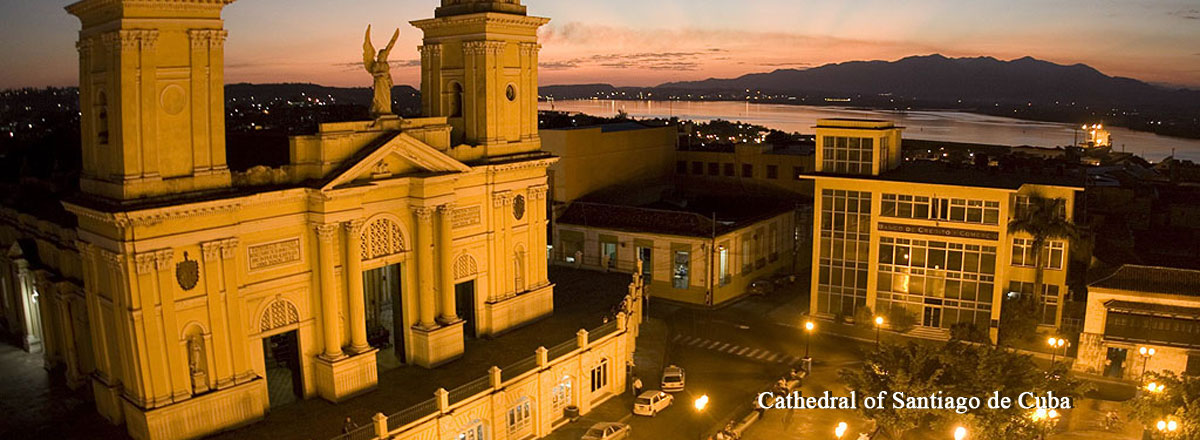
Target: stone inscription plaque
point(267, 255)
point(469, 216)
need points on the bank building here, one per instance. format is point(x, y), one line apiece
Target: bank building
point(927, 240)
point(383, 238)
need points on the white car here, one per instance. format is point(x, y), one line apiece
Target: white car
point(651, 402)
point(672, 379)
point(608, 431)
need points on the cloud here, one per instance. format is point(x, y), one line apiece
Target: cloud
point(1187, 14)
point(396, 64)
point(669, 61)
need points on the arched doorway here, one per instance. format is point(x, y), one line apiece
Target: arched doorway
point(465, 272)
point(383, 250)
point(281, 352)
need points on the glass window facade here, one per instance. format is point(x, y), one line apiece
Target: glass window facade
point(940, 209)
point(1052, 254)
point(844, 255)
point(959, 279)
point(847, 155)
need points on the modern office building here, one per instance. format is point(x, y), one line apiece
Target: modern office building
point(926, 239)
point(1139, 319)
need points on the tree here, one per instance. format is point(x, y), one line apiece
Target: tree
point(1179, 400)
point(960, 370)
point(912, 368)
point(1043, 219)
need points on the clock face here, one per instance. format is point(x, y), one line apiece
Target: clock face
point(519, 207)
point(511, 93)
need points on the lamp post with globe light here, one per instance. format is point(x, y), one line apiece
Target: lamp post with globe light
point(1055, 344)
point(700, 403)
point(1167, 428)
point(1147, 353)
point(960, 433)
point(840, 430)
point(878, 325)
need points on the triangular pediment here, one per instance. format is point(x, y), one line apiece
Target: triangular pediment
point(396, 154)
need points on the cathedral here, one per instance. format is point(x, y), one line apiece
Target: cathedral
point(184, 281)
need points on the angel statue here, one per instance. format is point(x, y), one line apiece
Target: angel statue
point(377, 65)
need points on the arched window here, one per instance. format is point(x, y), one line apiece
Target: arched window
point(382, 238)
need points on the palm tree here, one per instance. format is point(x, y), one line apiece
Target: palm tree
point(1044, 219)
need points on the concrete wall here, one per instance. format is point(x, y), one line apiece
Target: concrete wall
point(592, 159)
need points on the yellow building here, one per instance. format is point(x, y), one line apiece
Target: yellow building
point(922, 238)
point(685, 256)
point(1139, 319)
point(186, 287)
point(756, 164)
point(602, 156)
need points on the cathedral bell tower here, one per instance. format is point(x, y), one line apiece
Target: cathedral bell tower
point(479, 67)
point(152, 97)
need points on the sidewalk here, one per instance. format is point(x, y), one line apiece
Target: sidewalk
point(651, 349)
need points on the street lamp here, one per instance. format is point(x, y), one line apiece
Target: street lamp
point(1147, 353)
point(1155, 387)
point(1167, 427)
point(878, 325)
point(700, 403)
point(1055, 344)
point(840, 430)
point(1044, 419)
point(960, 433)
point(808, 329)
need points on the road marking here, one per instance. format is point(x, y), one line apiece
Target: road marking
point(743, 350)
point(732, 349)
point(763, 355)
point(752, 353)
point(677, 337)
point(626, 418)
point(723, 347)
point(695, 342)
point(714, 344)
point(774, 357)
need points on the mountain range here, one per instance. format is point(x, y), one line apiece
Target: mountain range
point(938, 78)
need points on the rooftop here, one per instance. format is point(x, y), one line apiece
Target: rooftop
point(675, 218)
point(1152, 279)
point(940, 173)
point(860, 123)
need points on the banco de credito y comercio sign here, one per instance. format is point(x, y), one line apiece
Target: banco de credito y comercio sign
point(940, 232)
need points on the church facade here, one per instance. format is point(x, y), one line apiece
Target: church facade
point(186, 288)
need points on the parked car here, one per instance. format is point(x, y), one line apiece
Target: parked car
point(672, 379)
point(608, 431)
point(651, 402)
point(783, 279)
point(761, 286)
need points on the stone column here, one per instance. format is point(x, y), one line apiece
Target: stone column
point(425, 292)
point(326, 234)
point(445, 263)
point(354, 286)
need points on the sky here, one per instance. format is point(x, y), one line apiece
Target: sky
point(649, 42)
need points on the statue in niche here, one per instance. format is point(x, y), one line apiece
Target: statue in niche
point(196, 364)
point(377, 65)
